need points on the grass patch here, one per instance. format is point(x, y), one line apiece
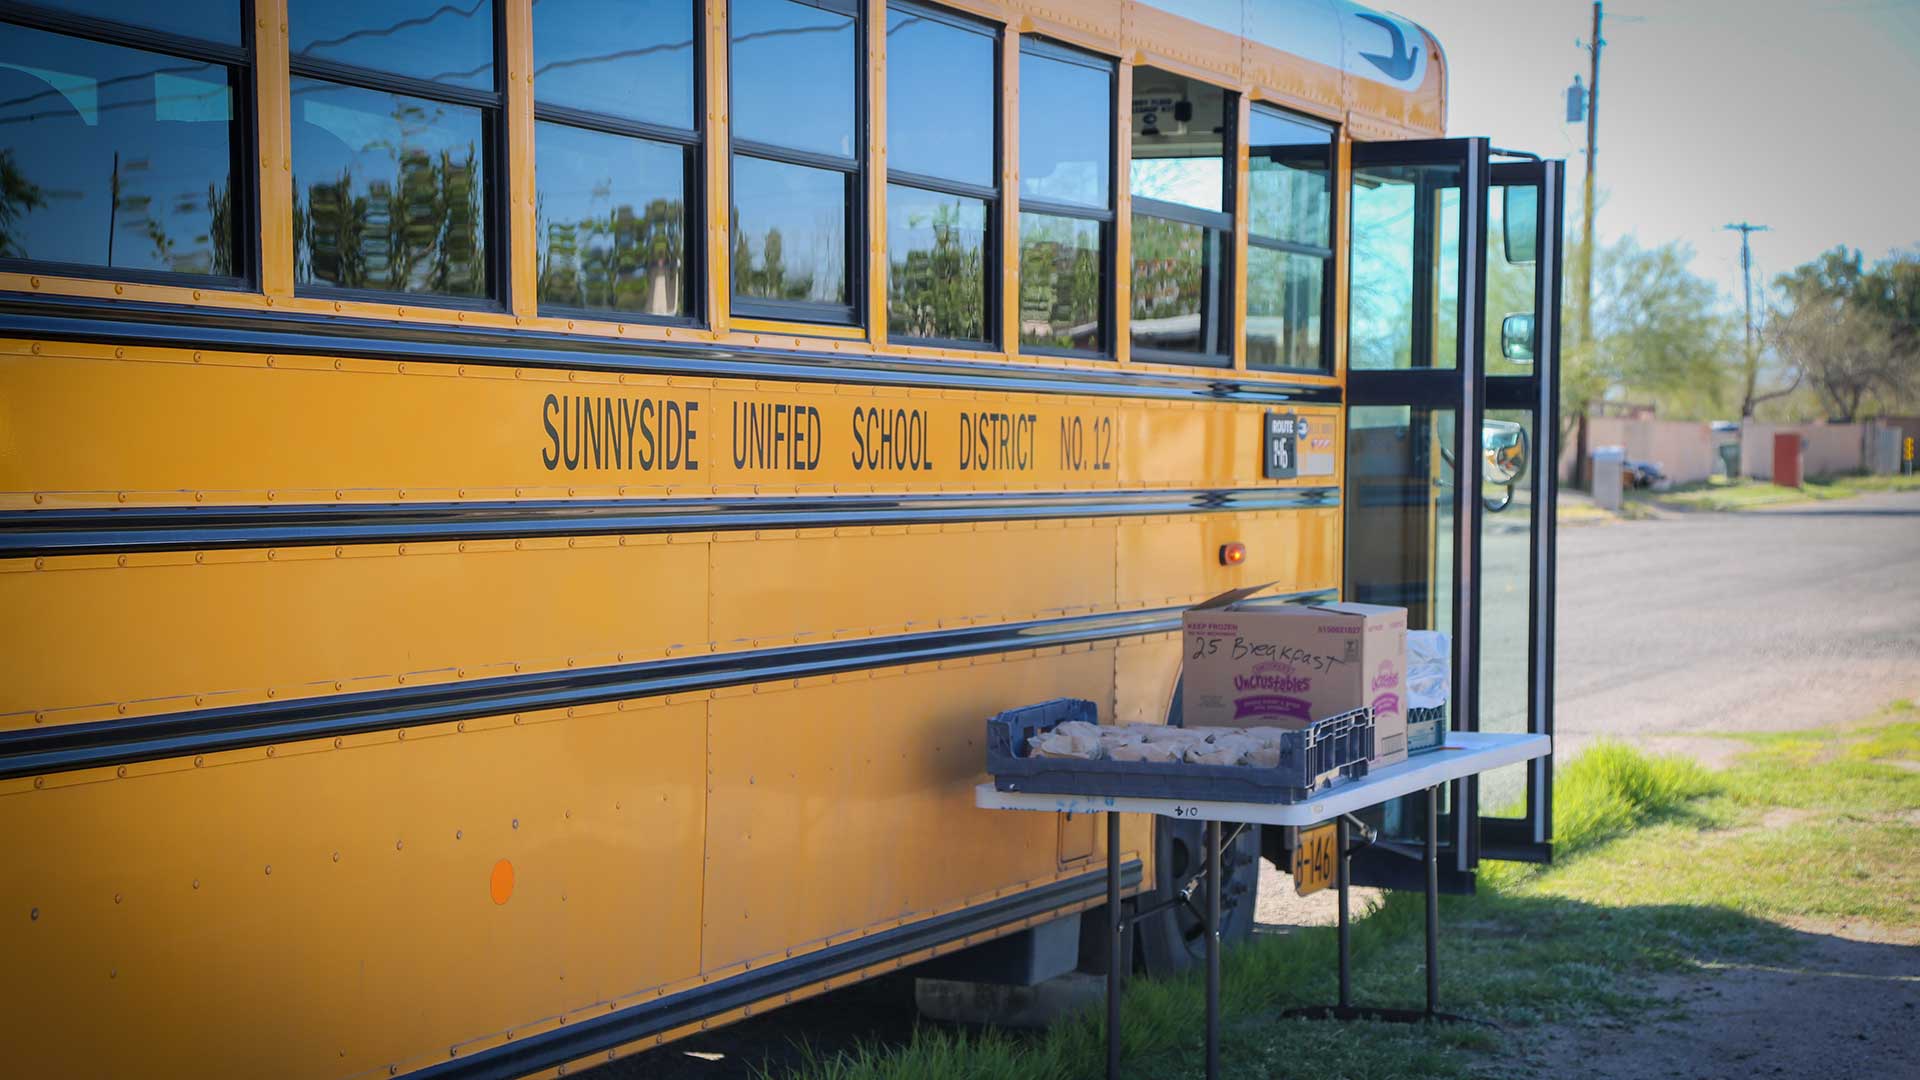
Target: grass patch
point(1720, 493)
point(1910, 482)
point(1660, 866)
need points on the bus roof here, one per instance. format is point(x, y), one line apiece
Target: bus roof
point(1383, 74)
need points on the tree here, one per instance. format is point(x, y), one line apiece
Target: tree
point(1853, 332)
point(1658, 333)
point(18, 197)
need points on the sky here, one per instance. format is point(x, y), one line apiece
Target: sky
point(1801, 116)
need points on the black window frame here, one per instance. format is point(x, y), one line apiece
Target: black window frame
point(993, 253)
point(1324, 253)
point(1219, 226)
point(853, 171)
point(244, 182)
point(492, 106)
point(693, 148)
point(1108, 219)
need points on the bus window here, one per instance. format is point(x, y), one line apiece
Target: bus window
point(616, 143)
point(395, 115)
point(796, 157)
point(1289, 241)
point(1182, 218)
point(1403, 305)
point(1066, 197)
point(942, 192)
point(116, 158)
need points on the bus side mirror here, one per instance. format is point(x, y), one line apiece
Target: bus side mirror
point(1516, 337)
point(1520, 223)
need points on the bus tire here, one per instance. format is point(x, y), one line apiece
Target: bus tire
point(1175, 940)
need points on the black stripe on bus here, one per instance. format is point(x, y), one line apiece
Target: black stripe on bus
point(40, 750)
point(601, 1034)
point(130, 323)
point(33, 533)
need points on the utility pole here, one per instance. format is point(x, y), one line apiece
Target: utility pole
point(1586, 229)
point(1746, 231)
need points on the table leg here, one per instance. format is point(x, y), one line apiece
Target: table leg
point(1344, 874)
point(1213, 949)
point(1116, 936)
point(1433, 900)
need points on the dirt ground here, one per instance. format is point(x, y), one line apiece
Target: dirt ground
point(1844, 1007)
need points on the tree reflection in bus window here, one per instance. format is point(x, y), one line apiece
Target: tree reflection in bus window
point(1289, 238)
point(942, 103)
point(789, 231)
point(115, 157)
point(389, 191)
point(1289, 178)
point(1066, 193)
point(1182, 217)
point(1177, 270)
point(1285, 300)
point(611, 222)
point(936, 265)
point(1391, 205)
point(611, 198)
point(796, 157)
point(1060, 282)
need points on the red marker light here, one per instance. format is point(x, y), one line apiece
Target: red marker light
point(1233, 554)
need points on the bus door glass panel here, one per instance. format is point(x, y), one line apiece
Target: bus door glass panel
point(1414, 323)
point(1517, 485)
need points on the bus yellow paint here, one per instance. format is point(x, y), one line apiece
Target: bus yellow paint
point(309, 903)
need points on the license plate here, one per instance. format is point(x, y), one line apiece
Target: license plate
point(1314, 860)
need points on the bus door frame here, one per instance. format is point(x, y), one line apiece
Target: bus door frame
point(1466, 390)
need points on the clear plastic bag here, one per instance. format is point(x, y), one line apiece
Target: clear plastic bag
point(1429, 669)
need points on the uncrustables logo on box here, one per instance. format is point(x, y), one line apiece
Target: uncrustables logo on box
point(1273, 676)
point(1279, 681)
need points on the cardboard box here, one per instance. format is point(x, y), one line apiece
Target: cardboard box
point(1426, 729)
point(1286, 666)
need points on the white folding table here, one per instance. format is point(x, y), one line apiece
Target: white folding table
point(1466, 753)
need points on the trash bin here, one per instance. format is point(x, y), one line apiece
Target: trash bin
point(1608, 462)
point(1730, 459)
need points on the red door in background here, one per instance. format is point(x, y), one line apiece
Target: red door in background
point(1786, 459)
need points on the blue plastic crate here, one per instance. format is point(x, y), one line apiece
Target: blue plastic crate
point(1312, 759)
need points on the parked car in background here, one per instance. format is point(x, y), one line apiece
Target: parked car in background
point(1642, 474)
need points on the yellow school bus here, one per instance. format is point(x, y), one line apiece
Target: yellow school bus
point(513, 512)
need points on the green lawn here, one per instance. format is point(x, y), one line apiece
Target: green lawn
point(1660, 866)
point(1720, 493)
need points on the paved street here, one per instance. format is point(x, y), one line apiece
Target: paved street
point(1769, 619)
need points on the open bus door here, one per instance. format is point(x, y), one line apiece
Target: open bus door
point(1453, 383)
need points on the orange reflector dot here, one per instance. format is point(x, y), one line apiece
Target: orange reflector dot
point(1233, 554)
point(500, 883)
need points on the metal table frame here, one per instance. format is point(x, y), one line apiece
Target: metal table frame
point(1466, 753)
